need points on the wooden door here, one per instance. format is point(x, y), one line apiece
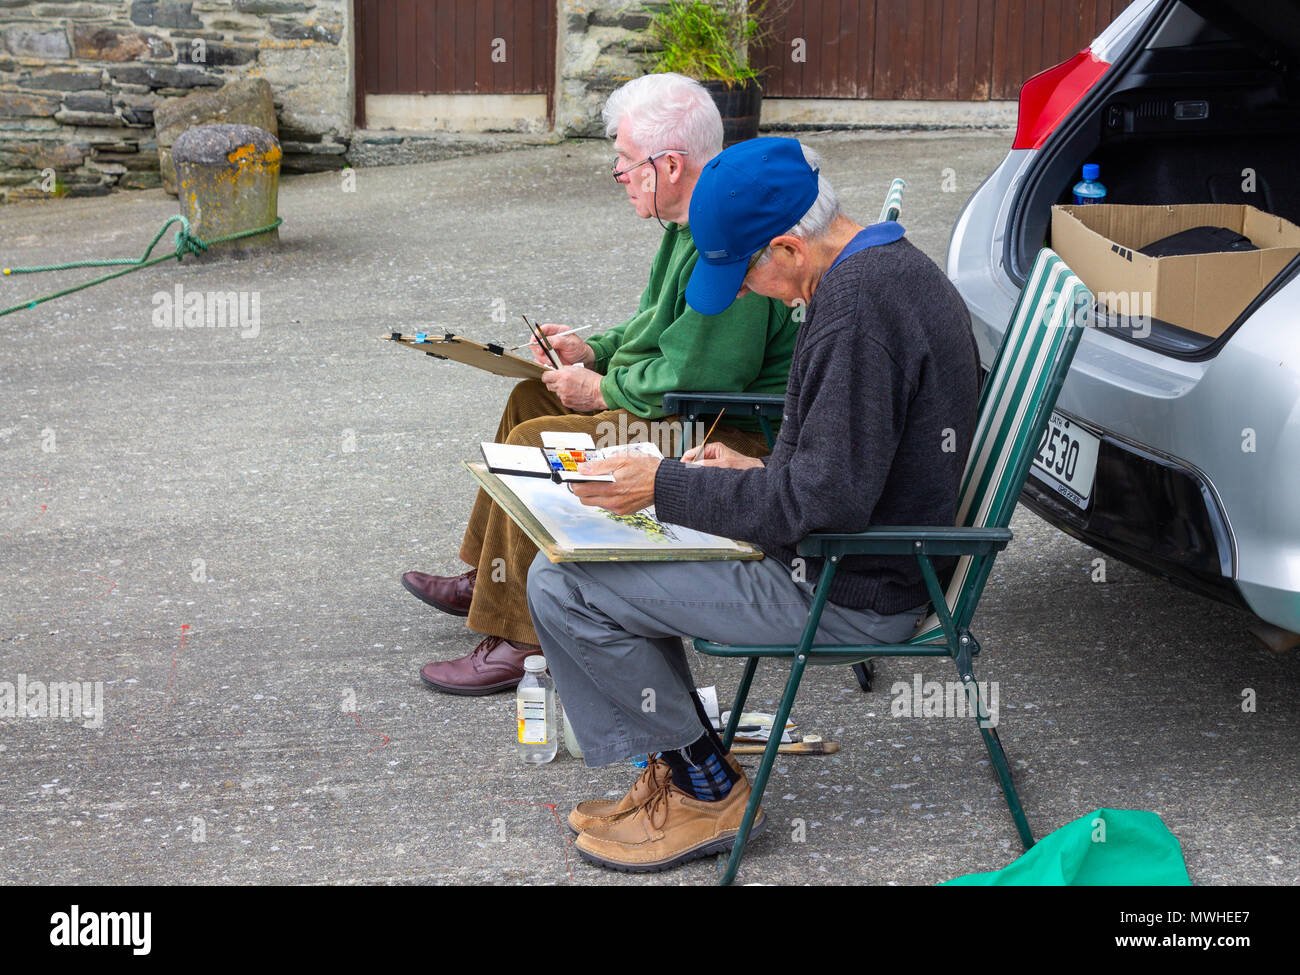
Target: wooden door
point(455, 47)
point(936, 49)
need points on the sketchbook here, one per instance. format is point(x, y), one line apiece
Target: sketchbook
point(491, 358)
point(567, 530)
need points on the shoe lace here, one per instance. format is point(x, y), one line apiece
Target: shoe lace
point(656, 809)
point(650, 775)
point(487, 645)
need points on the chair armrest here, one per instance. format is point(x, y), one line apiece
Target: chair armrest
point(908, 540)
point(689, 404)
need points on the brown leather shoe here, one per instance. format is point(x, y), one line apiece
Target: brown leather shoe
point(494, 665)
point(451, 594)
point(594, 812)
point(672, 828)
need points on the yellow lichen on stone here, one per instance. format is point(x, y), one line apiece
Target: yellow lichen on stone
point(246, 157)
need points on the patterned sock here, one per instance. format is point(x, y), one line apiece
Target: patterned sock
point(699, 770)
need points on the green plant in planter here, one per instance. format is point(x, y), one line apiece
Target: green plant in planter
point(709, 41)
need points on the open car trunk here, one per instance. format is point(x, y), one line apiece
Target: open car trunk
point(1203, 108)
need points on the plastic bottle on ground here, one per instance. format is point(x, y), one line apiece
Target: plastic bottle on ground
point(570, 739)
point(535, 711)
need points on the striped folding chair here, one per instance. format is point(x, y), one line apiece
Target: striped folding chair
point(1014, 406)
point(893, 207)
point(764, 407)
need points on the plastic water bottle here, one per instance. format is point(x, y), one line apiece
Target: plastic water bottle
point(570, 739)
point(535, 710)
point(1089, 190)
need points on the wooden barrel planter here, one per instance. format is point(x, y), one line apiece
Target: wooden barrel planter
point(740, 105)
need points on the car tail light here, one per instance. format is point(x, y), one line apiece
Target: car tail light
point(1048, 97)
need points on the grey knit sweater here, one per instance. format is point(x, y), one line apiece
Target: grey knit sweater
point(879, 416)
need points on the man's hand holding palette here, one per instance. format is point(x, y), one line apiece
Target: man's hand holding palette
point(558, 457)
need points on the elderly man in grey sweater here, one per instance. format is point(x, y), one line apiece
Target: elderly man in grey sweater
point(879, 416)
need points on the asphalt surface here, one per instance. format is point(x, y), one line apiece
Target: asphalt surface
point(212, 523)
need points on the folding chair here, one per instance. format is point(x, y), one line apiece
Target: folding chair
point(893, 207)
point(1014, 407)
point(766, 407)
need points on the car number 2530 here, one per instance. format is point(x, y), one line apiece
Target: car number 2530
point(1067, 454)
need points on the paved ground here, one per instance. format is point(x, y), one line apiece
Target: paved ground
point(213, 525)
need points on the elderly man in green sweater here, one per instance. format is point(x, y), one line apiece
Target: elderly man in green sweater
point(666, 127)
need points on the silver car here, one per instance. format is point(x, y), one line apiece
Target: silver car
point(1172, 451)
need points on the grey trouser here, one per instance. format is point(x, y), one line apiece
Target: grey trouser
point(612, 635)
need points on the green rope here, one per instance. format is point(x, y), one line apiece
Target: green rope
point(186, 243)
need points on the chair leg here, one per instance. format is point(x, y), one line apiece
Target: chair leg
point(765, 766)
point(742, 694)
point(998, 756)
point(865, 672)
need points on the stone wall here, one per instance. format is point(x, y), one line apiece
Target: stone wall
point(602, 45)
point(80, 79)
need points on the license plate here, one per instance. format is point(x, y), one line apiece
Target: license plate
point(1067, 459)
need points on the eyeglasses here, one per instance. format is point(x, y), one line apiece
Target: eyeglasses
point(620, 173)
point(753, 261)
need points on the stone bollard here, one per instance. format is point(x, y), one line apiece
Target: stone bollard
point(247, 101)
point(229, 179)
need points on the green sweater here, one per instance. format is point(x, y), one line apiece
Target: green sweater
point(668, 346)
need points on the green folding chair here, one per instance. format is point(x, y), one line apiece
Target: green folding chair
point(1014, 407)
point(765, 407)
point(893, 207)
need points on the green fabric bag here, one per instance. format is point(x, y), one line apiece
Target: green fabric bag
point(1108, 847)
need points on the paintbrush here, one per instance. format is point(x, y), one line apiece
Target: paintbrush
point(791, 748)
point(699, 453)
point(541, 341)
point(557, 335)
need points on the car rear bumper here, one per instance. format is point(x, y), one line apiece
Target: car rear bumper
point(1151, 511)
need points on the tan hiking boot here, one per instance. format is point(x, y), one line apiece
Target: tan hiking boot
point(672, 828)
point(592, 812)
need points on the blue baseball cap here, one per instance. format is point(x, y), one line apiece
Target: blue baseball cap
point(746, 195)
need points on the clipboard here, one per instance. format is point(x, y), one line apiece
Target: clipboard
point(528, 522)
point(490, 358)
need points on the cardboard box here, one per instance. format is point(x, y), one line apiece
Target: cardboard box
point(1201, 292)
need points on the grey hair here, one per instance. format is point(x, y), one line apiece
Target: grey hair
point(817, 221)
point(667, 111)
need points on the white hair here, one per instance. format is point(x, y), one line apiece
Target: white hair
point(817, 221)
point(667, 111)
